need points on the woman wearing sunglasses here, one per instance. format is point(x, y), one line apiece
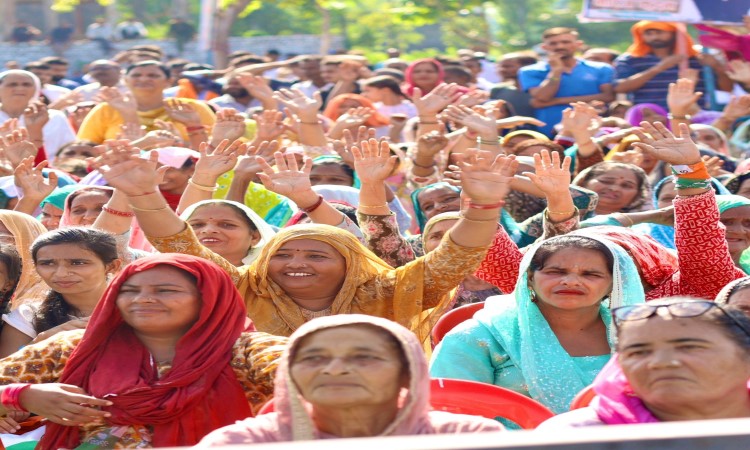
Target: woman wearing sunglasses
point(677, 359)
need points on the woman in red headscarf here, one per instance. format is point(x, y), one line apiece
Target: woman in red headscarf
point(425, 74)
point(163, 362)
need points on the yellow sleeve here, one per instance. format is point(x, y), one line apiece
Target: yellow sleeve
point(255, 360)
point(103, 122)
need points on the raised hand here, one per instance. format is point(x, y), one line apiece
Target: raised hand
point(288, 180)
point(302, 106)
point(373, 161)
point(31, 180)
point(739, 71)
point(123, 168)
point(473, 98)
point(124, 104)
point(182, 111)
point(664, 145)
point(230, 125)
point(517, 121)
point(16, 146)
point(257, 86)
point(64, 404)
point(270, 125)
point(131, 131)
point(578, 118)
point(157, 139)
point(8, 126)
point(737, 107)
point(486, 180)
point(355, 117)
point(431, 143)
point(214, 163)
point(248, 166)
point(436, 100)
point(68, 99)
point(484, 126)
point(634, 157)
point(682, 98)
point(35, 117)
point(550, 176)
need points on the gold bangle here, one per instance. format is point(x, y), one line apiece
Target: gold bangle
point(384, 205)
point(163, 208)
point(463, 217)
point(201, 186)
point(551, 213)
point(617, 218)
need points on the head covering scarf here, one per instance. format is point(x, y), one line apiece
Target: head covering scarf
point(409, 75)
point(322, 159)
point(34, 78)
point(442, 217)
point(272, 310)
point(420, 215)
point(740, 139)
point(65, 220)
point(111, 362)
point(552, 376)
point(727, 202)
point(58, 196)
point(615, 402)
point(639, 203)
point(333, 109)
point(294, 418)
point(530, 133)
point(265, 230)
point(657, 264)
point(735, 46)
point(622, 146)
point(640, 48)
point(728, 290)
point(734, 183)
point(25, 229)
point(634, 116)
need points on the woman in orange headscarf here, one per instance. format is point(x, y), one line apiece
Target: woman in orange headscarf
point(352, 105)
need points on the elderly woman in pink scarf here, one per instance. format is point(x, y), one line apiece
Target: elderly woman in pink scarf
point(677, 359)
point(348, 376)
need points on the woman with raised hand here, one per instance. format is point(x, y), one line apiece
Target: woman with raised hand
point(308, 271)
point(165, 359)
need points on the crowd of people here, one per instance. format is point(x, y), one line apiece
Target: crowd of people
point(192, 256)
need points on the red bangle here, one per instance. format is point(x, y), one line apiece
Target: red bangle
point(115, 212)
point(315, 206)
point(196, 128)
point(10, 397)
point(497, 205)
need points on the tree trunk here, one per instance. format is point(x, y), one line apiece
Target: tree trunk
point(223, 21)
point(325, 29)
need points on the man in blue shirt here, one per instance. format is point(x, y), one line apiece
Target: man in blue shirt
point(564, 79)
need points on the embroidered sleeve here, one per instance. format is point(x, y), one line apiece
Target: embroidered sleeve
point(186, 242)
point(501, 265)
point(382, 237)
point(447, 266)
point(552, 229)
point(42, 362)
point(705, 263)
point(255, 360)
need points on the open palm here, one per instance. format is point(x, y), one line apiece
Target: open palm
point(486, 180)
point(125, 170)
point(373, 161)
point(662, 144)
point(288, 180)
point(550, 176)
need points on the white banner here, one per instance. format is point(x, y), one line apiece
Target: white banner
point(687, 11)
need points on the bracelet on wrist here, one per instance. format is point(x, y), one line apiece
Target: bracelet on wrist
point(142, 195)
point(671, 116)
point(428, 122)
point(115, 212)
point(11, 396)
point(318, 122)
point(414, 161)
point(384, 205)
point(556, 213)
point(314, 206)
point(695, 171)
point(463, 217)
point(686, 183)
point(622, 216)
point(481, 141)
point(163, 208)
point(202, 187)
point(195, 128)
point(472, 205)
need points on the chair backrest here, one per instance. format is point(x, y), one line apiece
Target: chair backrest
point(453, 318)
point(478, 399)
point(583, 398)
point(486, 400)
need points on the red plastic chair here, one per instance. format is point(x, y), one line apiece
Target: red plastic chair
point(486, 400)
point(478, 399)
point(583, 398)
point(453, 318)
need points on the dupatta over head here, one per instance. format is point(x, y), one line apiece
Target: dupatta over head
point(197, 395)
point(25, 229)
point(370, 286)
point(516, 322)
